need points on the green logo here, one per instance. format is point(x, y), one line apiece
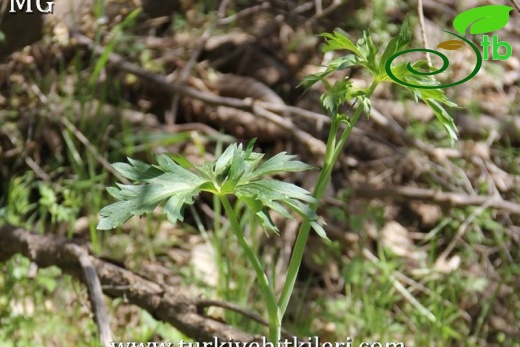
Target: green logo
point(479, 20)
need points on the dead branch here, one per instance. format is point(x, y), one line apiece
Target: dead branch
point(420, 12)
point(393, 128)
point(171, 116)
point(163, 303)
point(95, 293)
point(238, 309)
point(259, 109)
point(439, 197)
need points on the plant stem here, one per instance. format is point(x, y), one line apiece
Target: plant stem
point(331, 156)
point(355, 118)
point(275, 321)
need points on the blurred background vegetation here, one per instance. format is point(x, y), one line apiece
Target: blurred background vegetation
point(398, 269)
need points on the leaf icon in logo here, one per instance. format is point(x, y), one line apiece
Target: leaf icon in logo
point(451, 45)
point(485, 19)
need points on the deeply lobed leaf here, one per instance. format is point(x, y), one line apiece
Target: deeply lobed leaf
point(396, 44)
point(167, 181)
point(236, 171)
point(339, 40)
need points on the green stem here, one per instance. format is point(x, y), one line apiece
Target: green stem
point(331, 156)
point(275, 321)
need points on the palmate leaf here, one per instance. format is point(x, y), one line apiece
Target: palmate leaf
point(175, 204)
point(113, 216)
point(369, 53)
point(243, 164)
point(396, 44)
point(275, 195)
point(224, 161)
point(342, 63)
point(339, 40)
point(167, 181)
point(336, 64)
point(282, 162)
point(336, 95)
point(272, 190)
point(138, 200)
point(312, 79)
point(236, 171)
point(363, 55)
point(136, 170)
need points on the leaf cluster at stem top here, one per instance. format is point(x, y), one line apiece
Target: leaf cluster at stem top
point(237, 171)
point(365, 54)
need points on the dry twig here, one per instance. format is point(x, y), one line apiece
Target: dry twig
point(171, 116)
point(163, 303)
point(423, 30)
point(95, 293)
point(203, 303)
point(438, 197)
point(260, 109)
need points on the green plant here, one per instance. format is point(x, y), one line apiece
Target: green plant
point(365, 55)
point(238, 172)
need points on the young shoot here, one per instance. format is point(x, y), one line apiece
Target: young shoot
point(238, 172)
point(241, 173)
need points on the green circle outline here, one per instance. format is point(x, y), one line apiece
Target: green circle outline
point(478, 65)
